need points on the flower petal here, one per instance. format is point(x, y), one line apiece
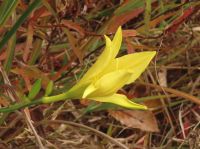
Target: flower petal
point(102, 61)
point(108, 84)
point(90, 89)
point(117, 40)
point(121, 100)
point(109, 53)
point(134, 63)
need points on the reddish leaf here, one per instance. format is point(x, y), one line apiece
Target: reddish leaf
point(74, 26)
point(130, 48)
point(161, 18)
point(172, 28)
point(29, 73)
point(129, 33)
point(122, 19)
point(2, 56)
point(38, 13)
point(4, 102)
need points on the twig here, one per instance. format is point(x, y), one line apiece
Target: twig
point(89, 128)
point(158, 79)
point(175, 92)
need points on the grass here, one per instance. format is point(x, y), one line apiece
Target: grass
point(59, 42)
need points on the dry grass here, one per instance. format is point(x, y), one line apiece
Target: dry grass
point(62, 48)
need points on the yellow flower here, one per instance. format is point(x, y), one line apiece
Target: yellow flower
point(102, 81)
point(109, 74)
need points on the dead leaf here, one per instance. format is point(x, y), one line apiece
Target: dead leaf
point(143, 120)
point(4, 102)
point(2, 56)
point(40, 12)
point(74, 45)
point(162, 76)
point(176, 23)
point(157, 21)
point(28, 42)
point(29, 73)
point(139, 91)
point(85, 102)
point(74, 26)
point(129, 46)
point(129, 33)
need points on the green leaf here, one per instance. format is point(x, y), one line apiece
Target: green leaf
point(6, 9)
point(147, 16)
point(36, 51)
point(10, 53)
point(22, 18)
point(35, 89)
point(49, 88)
point(130, 5)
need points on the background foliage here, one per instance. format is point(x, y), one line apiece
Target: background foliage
point(50, 44)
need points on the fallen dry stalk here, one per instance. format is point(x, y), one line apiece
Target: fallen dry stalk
point(85, 127)
point(175, 92)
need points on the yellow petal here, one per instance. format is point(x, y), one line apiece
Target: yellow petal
point(121, 100)
point(108, 84)
point(109, 53)
point(134, 63)
point(102, 61)
point(90, 89)
point(117, 40)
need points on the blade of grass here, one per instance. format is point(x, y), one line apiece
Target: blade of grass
point(10, 49)
point(147, 15)
point(6, 9)
point(22, 18)
point(129, 6)
point(10, 53)
point(37, 46)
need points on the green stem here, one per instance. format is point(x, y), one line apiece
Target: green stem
point(59, 97)
point(18, 106)
point(43, 100)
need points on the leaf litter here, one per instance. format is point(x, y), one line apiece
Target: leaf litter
point(172, 120)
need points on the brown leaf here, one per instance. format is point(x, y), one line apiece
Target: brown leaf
point(143, 120)
point(157, 21)
point(129, 46)
point(28, 42)
point(4, 102)
point(85, 102)
point(75, 46)
point(129, 33)
point(2, 56)
point(185, 15)
point(40, 12)
point(74, 26)
point(29, 73)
